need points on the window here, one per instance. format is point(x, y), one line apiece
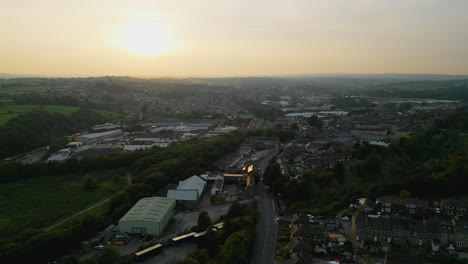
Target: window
point(420, 242)
point(420, 235)
point(357, 238)
point(459, 244)
point(429, 235)
point(414, 240)
point(383, 232)
point(415, 234)
point(436, 235)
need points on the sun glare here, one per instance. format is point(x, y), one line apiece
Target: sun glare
point(144, 39)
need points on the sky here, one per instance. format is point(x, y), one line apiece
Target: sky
point(232, 38)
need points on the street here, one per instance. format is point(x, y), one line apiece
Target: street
point(265, 242)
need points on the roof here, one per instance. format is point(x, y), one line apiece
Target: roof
point(192, 183)
point(300, 258)
point(148, 249)
point(300, 219)
point(101, 134)
point(417, 202)
point(299, 244)
point(392, 200)
point(300, 230)
point(149, 209)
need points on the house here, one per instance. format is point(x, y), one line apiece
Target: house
point(392, 204)
point(301, 258)
point(455, 208)
point(300, 244)
point(461, 234)
point(300, 219)
point(365, 205)
point(301, 231)
point(414, 205)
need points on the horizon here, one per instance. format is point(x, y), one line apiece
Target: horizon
point(216, 39)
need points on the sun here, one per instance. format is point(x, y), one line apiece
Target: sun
point(144, 39)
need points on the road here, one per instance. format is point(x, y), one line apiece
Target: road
point(77, 214)
point(265, 242)
point(172, 254)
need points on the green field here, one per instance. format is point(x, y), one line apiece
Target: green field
point(25, 89)
point(37, 203)
point(10, 111)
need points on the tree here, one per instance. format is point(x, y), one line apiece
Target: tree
point(69, 260)
point(89, 260)
point(404, 194)
point(272, 173)
point(314, 121)
point(348, 246)
point(89, 182)
point(294, 126)
point(109, 255)
point(188, 260)
point(204, 221)
point(234, 211)
point(339, 171)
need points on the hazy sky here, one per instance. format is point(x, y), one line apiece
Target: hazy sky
point(232, 38)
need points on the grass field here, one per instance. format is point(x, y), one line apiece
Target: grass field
point(38, 89)
point(10, 111)
point(37, 203)
point(108, 114)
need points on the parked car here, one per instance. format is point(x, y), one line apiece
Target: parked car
point(99, 247)
point(345, 218)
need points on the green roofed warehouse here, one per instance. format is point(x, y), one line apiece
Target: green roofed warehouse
point(148, 216)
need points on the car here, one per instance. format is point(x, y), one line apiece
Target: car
point(99, 247)
point(277, 219)
point(345, 218)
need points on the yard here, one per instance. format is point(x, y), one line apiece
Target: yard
point(37, 203)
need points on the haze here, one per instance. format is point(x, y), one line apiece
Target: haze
point(231, 38)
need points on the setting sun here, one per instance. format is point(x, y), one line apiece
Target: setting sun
point(144, 39)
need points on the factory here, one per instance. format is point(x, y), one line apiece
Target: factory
point(148, 216)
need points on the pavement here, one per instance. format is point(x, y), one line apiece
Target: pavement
point(265, 241)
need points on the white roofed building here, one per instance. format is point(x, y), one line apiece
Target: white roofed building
point(189, 191)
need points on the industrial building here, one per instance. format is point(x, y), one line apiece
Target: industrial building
point(95, 137)
point(148, 216)
point(189, 191)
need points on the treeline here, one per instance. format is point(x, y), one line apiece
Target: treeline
point(232, 244)
point(282, 134)
point(152, 170)
point(429, 165)
point(259, 110)
point(38, 128)
point(447, 90)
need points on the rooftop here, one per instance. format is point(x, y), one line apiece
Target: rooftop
point(149, 209)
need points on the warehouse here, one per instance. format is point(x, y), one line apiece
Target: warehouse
point(148, 216)
point(188, 192)
point(95, 137)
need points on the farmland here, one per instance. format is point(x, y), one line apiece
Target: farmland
point(36, 203)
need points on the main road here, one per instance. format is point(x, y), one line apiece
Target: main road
point(265, 241)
